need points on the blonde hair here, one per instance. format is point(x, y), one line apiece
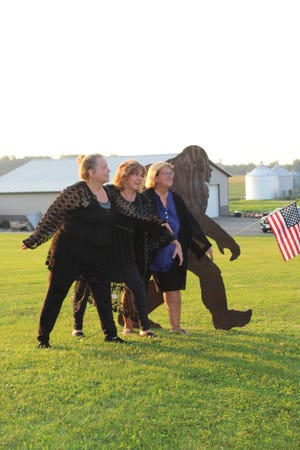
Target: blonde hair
point(86, 163)
point(125, 169)
point(154, 170)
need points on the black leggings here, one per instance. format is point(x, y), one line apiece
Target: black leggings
point(134, 283)
point(58, 288)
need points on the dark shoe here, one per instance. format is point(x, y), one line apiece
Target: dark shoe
point(115, 339)
point(44, 345)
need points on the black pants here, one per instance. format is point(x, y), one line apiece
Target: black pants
point(134, 283)
point(79, 302)
point(58, 288)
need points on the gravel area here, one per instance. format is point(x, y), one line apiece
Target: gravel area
point(240, 226)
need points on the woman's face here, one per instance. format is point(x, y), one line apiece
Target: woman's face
point(101, 171)
point(165, 178)
point(134, 181)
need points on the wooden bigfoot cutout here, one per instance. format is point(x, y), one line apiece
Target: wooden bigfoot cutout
point(192, 175)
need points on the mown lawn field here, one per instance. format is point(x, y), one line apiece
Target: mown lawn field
point(236, 389)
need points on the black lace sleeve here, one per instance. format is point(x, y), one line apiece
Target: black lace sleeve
point(143, 215)
point(68, 200)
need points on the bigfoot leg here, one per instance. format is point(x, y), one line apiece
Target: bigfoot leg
point(214, 294)
point(154, 296)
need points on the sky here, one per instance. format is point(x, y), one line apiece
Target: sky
point(148, 77)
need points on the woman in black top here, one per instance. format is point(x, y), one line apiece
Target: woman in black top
point(80, 222)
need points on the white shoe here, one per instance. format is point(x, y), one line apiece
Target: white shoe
point(148, 334)
point(78, 333)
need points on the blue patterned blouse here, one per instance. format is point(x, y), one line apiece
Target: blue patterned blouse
point(163, 261)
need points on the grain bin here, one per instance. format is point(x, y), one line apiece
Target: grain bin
point(260, 184)
point(284, 181)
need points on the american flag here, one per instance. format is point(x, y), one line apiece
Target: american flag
point(286, 228)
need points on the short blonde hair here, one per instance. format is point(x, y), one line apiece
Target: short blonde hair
point(154, 170)
point(125, 169)
point(87, 162)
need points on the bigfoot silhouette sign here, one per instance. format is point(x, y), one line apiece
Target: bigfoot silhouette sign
point(192, 174)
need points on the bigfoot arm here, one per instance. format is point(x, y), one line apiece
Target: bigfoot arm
point(219, 235)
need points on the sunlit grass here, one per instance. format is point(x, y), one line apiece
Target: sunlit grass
point(234, 389)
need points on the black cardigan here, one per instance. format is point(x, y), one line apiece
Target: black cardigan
point(134, 221)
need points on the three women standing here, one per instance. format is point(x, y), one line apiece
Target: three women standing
point(134, 219)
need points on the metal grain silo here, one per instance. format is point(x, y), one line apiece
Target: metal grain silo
point(284, 181)
point(260, 184)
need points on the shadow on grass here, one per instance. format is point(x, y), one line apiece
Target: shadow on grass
point(274, 353)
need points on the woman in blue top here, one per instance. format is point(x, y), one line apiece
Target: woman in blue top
point(167, 273)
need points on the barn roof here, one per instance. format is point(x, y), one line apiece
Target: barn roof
point(53, 175)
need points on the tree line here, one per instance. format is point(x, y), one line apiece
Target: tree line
point(9, 163)
point(243, 169)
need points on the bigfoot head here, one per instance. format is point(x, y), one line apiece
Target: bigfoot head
point(192, 173)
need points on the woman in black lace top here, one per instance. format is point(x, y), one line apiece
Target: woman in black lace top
point(80, 221)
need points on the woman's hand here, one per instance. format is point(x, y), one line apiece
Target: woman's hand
point(167, 226)
point(178, 252)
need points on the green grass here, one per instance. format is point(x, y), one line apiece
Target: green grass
point(237, 200)
point(234, 389)
point(237, 188)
